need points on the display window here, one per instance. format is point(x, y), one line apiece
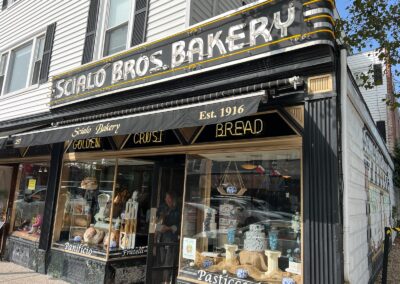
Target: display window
point(29, 200)
point(5, 188)
point(103, 208)
point(242, 218)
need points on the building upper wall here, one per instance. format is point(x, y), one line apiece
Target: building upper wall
point(26, 19)
point(375, 98)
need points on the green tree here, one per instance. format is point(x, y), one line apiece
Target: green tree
point(396, 161)
point(374, 24)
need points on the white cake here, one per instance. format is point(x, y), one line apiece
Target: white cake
point(255, 239)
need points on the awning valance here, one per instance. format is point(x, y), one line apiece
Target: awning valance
point(196, 114)
point(3, 141)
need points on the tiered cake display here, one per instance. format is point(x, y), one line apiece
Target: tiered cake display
point(255, 239)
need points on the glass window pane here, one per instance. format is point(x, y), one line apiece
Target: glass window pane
point(30, 200)
point(19, 67)
point(133, 190)
point(39, 48)
point(241, 216)
point(6, 174)
point(3, 63)
point(84, 207)
point(119, 12)
point(115, 40)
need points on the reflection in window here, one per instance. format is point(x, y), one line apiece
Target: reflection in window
point(30, 200)
point(19, 67)
point(117, 26)
point(6, 174)
point(242, 216)
point(103, 209)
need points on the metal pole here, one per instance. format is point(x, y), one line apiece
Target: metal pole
point(388, 233)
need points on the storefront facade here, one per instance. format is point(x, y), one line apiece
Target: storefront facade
point(209, 156)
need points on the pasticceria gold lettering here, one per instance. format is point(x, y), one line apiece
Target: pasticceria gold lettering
point(85, 144)
point(147, 137)
point(239, 128)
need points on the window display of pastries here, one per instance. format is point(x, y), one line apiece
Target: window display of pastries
point(89, 183)
point(93, 236)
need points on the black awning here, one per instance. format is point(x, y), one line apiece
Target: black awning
point(197, 114)
point(3, 141)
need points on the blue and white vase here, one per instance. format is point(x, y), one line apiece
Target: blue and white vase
point(288, 281)
point(207, 263)
point(231, 236)
point(242, 273)
point(273, 239)
point(231, 189)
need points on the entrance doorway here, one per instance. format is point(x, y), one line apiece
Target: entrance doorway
point(165, 220)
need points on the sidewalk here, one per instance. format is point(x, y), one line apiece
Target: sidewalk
point(12, 273)
point(393, 276)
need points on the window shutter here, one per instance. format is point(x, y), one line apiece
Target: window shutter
point(46, 58)
point(140, 22)
point(91, 28)
point(4, 6)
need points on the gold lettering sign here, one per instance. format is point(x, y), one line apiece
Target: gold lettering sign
point(86, 144)
point(239, 128)
point(147, 137)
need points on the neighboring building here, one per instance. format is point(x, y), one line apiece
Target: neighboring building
point(217, 141)
point(386, 118)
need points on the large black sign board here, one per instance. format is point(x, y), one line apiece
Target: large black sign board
point(253, 32)
point(256, 126)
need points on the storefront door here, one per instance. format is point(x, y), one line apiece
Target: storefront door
point(164, 232)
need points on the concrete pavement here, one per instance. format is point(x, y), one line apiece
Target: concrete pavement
point(15, 274)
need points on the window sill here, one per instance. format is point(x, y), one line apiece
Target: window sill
point(20, 92)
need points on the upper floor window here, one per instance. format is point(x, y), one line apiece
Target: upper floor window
point(117, 21)
point(8, 3)
point(378, 74)
point(20, 65)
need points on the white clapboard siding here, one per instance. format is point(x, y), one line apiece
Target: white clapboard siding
point(28, 18)
point(373, 97)
point(355, 224)
point(166, 17)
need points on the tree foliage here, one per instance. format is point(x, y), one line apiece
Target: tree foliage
point(374, 24)
point(396, 161)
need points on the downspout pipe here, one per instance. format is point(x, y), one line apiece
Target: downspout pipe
point(345, 156)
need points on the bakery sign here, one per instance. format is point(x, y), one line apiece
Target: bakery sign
point(254, 31)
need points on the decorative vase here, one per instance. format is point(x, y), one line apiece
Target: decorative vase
point(231, 189)
point(207, 263)
point(242, 273)
point(288, 281)
point(231, 236)
point(273, 239)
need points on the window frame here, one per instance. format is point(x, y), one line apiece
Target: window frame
point(102, 23)
point(8, 69)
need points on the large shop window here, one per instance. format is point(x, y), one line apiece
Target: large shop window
point(30, 199)
point(103, 208)
point(241, 218)
point(5, 188)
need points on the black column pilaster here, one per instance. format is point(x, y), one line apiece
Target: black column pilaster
point(51, 200)
point(322, 223)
